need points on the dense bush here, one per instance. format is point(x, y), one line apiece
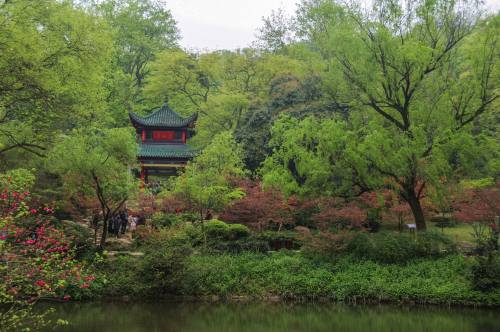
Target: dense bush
point(123, 277)
point(215, 230)
point(162, 268)
point(159, 272)
point(180, 235)
point(231, 238)
point(237, 231)
point(485, 273)
point(293, 275)
point(160, 219)
point(373, 219)
point(399, 248)
point(250, 244)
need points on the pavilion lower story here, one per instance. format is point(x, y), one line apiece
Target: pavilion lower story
point(159, 168)
point(163, 160)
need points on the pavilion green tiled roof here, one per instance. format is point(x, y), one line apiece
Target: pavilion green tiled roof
point(163, 117)
point(166, 151)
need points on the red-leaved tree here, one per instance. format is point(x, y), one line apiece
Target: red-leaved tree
point(478, 204)
point(259, 208)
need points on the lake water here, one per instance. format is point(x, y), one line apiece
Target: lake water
point(271, 317)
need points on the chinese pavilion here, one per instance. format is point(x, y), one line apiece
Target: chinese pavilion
point(162, 137)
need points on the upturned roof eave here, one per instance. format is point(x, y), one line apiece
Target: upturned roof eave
point(148, 121)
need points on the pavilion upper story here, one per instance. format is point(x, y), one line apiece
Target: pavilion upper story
point(162, 141)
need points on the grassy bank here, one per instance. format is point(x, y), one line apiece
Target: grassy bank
point(296, 275)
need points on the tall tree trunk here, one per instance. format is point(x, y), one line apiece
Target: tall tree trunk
point(416, 209)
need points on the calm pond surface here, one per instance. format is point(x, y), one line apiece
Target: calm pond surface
point(270, 317)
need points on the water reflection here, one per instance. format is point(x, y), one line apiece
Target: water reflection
point(246, 317)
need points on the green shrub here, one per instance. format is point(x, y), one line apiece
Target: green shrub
point(215, 229)
point(122, 275)
point(399, 248)
point(274, 235)
point(293, 275)
point(19, 179)
point(232, 238)
point(158, 273)
point(188, 217)
point(162, 268)
point(434, 244)
point(160, 220)
point(250, 244)
point(237, 231)
point(373, 220)
point(181, 234)
point(485, 273)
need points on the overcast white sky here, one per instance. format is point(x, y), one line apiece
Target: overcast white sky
point(230, 24)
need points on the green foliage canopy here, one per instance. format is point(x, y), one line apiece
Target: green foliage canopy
point(205, 182)
point(96, 164)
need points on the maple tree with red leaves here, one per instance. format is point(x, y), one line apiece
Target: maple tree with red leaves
point(259, 208)
point(339, 213)
point(478, 204)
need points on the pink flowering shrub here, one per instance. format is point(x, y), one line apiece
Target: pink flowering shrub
point(37, 258)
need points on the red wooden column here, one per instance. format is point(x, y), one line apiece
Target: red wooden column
point(143, 135)
point(143, 177)
point(184, 136)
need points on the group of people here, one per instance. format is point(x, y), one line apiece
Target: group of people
point(119, 223)
point(122, 221)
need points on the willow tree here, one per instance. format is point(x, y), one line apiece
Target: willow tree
point(423, 72)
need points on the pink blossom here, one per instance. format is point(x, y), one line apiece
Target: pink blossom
point(89, 278)
point(41, 283)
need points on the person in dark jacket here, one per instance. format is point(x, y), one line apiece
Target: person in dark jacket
point(123, 221)
point(116, 225)
point(110, 226)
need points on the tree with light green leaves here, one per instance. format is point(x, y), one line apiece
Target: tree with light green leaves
point(142, 29)
point(96, 164)
point(205, 183)
point(221, 86)
point(418, 76)
point(52, 69)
